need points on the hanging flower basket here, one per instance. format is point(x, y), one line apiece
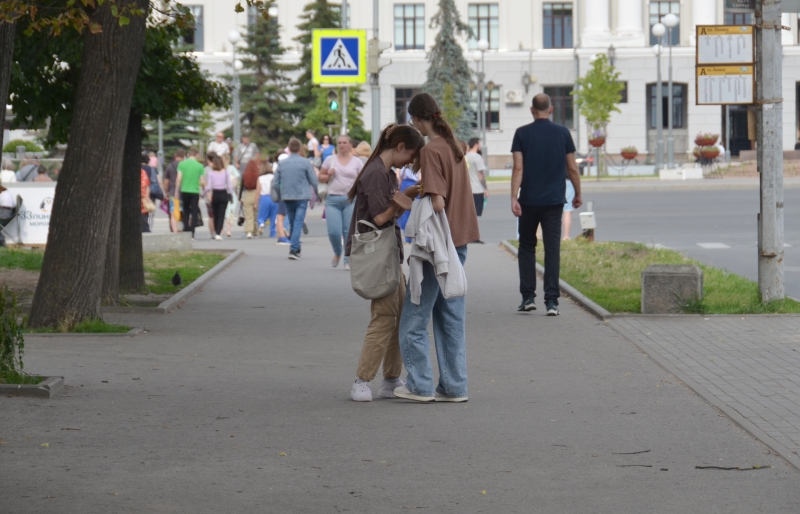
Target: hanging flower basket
point(597, 142)
point(709, 152)
point(706, 139)
point(629, 153)
point(696, 152)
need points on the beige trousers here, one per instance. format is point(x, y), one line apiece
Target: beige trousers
point(382, 343)
point(249, 199)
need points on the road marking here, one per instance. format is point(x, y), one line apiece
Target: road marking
point(713, 246)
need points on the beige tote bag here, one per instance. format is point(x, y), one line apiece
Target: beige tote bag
point(375, 269)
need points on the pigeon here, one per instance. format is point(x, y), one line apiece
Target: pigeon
point(176, 279)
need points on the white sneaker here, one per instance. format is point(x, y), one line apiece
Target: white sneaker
point(388, 387)
point(249, 235)
point(403, 392)
point(217, 238)
point(361, 392)
point(444, 398)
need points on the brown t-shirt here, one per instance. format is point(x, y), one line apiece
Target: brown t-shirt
point(374, 191)
point(443, 175)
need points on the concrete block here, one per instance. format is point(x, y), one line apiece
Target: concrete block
point(667, 288)
point(172, 242)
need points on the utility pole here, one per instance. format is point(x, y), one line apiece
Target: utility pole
point(344, 89)
point(375, 80)
point(160, 147)
point(769, 137)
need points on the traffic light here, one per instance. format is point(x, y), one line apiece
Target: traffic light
point(333, 99)
point(374, 50)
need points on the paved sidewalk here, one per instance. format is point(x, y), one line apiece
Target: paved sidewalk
point(751, 364)
point(238, 402)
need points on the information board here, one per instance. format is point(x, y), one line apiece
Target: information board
point(725, 85)
point(740, 5)
point(725, 44)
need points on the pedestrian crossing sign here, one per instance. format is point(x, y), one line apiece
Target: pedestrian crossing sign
point(339, 57)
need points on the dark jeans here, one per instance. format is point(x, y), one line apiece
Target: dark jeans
point(145, 222)
point(550, 219)
point(191, 211)
point(219, 203)
point(479, 199)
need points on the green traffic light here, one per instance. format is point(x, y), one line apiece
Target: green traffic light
point(334, 105)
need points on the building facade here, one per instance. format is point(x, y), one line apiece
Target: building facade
point(552, 42)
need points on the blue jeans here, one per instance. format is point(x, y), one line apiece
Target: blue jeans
point(449, 333)
point(267, 210)
point(338, 212)
point(296, 212)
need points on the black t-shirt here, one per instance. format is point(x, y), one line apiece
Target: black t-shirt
point(171, 174)
point(375, 189)
point(544, 146)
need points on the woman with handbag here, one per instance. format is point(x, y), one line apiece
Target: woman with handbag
point(219, 192)
point(340, 172)
point(147, 204)
point(378, 203)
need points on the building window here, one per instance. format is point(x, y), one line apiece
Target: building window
point(679, 92)
point(194, 35)
point(623, 94)
point(402, 97)
point(561, 100)
point(557, 25)
point(484, 21)
point(409, 26)
point(491, 106)
point(252, 15)
point(738, 18)
point(657, 12)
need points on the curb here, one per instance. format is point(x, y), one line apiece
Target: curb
point(589, 186)
point(195, 286)
point(573, 293)
point(47, 388)
point(130, 333)
point(743, 423)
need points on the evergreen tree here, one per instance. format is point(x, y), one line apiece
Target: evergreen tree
point(310, 102)
point(448, 67)
point(265, 86)
point(179, 132)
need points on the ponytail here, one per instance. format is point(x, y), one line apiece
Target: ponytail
point(424, 107)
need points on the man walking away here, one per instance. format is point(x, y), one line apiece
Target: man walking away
point(191, 179)
point(293, 178)
point(244, 153)
point(169, 180)
point(477, 174)
point(543, 155)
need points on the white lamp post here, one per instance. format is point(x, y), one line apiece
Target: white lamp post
point(483, 45)
point(670, 21)
point(658, 31)
point(234, 37)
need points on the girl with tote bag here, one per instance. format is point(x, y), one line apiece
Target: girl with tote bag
point(378, 204)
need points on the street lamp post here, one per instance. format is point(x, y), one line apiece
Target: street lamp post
point(483, 45)
point(658, 31)
point(671, 21)
point(234, 37)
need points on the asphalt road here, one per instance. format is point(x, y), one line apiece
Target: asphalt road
point(717, 227)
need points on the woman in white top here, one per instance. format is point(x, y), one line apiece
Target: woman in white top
point(233, 206)
point(267, 209)
point(7, 175)
point(340, 172)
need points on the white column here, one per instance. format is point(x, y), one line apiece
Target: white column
point(786, 35)
point(704, 12)
point(629, 30)
point(596, 30)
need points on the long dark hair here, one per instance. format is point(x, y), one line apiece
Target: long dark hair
point(424, 107)
point(391, 136)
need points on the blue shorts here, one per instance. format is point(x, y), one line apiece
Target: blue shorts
point(570, 196)
point(281, 209)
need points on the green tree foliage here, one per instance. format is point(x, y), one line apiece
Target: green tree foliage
point(45, 79)
point(599, 92)
point(310, 104)
point(30, 146)
point(447, 66)
point(265, 87)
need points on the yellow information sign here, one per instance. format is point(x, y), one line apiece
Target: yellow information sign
point(339, 57)
point(725, 44)
point(725, 85)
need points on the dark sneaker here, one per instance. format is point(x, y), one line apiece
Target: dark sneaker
point(295, 256)
point(552, 307)
point(526, 305)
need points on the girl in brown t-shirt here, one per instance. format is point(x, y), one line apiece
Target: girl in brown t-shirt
point(446, 180)
point(378, 201)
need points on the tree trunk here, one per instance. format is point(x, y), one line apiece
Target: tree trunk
point(131, 264)
point(6, 63)
point(111, 271)
point(71, 281)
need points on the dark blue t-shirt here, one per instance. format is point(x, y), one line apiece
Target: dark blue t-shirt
point(544, 146)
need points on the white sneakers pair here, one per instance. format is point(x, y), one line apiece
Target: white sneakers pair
point(362, 392)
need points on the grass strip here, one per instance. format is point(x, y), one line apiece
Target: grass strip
point(610, 273)
point(89, 326)
point(16, 378)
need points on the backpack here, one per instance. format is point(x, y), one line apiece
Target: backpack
point(155, 189)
